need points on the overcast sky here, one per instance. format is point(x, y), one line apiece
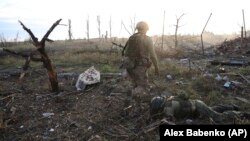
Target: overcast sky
point(39, 15)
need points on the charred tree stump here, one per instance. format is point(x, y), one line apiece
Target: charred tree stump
point(40, 45)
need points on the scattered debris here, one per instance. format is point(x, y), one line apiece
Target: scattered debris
point(234, 46)
point(227, 84)
point(169, 77)
point(89, 77)
point(48, 114)
point(218, 77)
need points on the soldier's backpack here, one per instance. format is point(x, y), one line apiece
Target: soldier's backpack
point(135, 45)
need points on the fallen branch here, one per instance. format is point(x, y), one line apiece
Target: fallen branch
point(244, 78)
point(11, 95)
point(235, 74)
point(155, 125)
point(115, 135)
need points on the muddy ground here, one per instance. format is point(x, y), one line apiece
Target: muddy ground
point(30, 111)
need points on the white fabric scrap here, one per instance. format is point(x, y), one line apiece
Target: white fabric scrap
point(89, 77)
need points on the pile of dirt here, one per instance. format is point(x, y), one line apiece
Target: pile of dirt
point(235, 46)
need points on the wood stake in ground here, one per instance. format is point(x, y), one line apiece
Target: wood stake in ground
point(44, 57)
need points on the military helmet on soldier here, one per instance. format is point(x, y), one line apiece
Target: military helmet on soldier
point(142, 26)
point(157, 105)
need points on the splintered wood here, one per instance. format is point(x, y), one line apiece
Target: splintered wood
point(40, 45)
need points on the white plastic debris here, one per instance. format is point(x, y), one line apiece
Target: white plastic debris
point(21, 126)
point(206, 74)
point(218, 77)
point(90, 128)
point(48, 114)
point(189, 121)
point(225, 78)
point(169, 77)
point(124, 73)
point(227, 84)
point(236, 83)
point(184, 61)
point(89, 77)
point(51, 130)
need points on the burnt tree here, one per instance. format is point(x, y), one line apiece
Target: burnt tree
point(176, 30)
point(99, 26)
point(40, 47)
point(110, 28)
point(70, 31)
point(87, 28)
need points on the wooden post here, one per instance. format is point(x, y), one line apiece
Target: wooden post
point(202, 33)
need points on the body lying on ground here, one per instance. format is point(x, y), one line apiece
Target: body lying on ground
point(181, 108)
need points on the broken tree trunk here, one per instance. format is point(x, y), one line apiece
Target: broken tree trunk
point(202, 45)
point(44, 57)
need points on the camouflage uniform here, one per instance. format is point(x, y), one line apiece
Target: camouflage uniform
point(139, 53)
point(179, 108)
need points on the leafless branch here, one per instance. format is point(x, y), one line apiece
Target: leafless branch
point(45, 37)
point(35, 40)
point(126, 28)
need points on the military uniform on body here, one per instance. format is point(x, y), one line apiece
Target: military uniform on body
point(181, 107)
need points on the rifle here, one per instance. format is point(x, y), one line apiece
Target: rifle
point(121, 46)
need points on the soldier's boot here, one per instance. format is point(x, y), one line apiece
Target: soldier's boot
point(225, 107)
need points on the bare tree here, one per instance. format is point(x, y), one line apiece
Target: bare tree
point(99, 26)
point(202, 45)
point(87, 22)
point(70, 31)
point(40, 47)
point(110, 28)
point(16, 38)
point(244, 23)
point(3, 41)
point(163, 31)
point(177, 26)
point(123, 25)
point(106, 36)
point(132, 25)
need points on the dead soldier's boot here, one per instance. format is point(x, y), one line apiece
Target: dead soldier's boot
point(205, 110)
point(225, 107)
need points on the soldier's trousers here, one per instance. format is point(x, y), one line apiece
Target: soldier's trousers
point(228, 113)
point(139, 75)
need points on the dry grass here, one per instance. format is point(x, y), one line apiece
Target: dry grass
point(81, 115)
